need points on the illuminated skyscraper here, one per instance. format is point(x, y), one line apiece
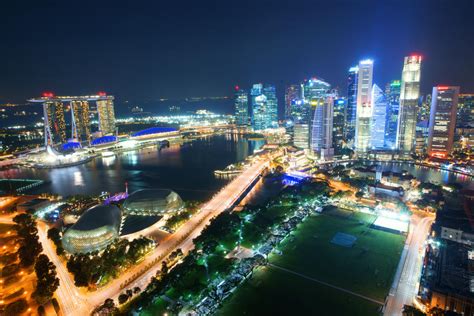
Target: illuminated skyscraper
point(105, 108)
point(80, 120)
point(322, 127)
point(424, 109)
point(241, 107)
point(292, 95)
point(315, 94)
point(339, 121)
point(465, 117)
point(392, 93)
point(364, 106)
point(379, 117)
point(409, 96)
point(272, 104)
point(444, 104)
point(54, 123)
point(351, 110)
point(264, 107)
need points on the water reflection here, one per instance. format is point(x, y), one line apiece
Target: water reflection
point(188, 169)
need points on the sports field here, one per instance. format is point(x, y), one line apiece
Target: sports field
point(296, 281)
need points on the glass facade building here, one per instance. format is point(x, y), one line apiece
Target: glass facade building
point(465, 116)
point(264, 107)
point(379, 118)
point(292, 96)
point(321, 129)
point(339, 120)
point(443, 113)
point(98, 227)
point(152, 202)
point(241, 108)
point(392, 93)
point(364, 106)
point(409, 96)
point(351, 110)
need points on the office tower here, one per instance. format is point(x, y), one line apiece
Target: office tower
point(465, 117)
point(421, 137)
point(80, 119)
point(409, 96)
point(364, 106)
point(444, 105)
point(321, 128)
point(272, 105)
point(241, 107)
point(264, 107)
point(351, 110)
point(315, 92)
point(292, 95)
point(379, 118)
point(105, 108)
point(424, 109)
point(301, 135)
point(300, 117)
point(339, 120)
point(392, 93)
point(54, 123)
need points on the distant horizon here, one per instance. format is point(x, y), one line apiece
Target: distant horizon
point(178, 50)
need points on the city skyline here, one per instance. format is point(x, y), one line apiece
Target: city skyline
point(155, 56)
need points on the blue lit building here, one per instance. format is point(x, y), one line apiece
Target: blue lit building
point(351, 109)
point(392, 92)
point(379, 104)
point(241, 107)
point(264, 107)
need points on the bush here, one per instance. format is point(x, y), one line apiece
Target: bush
point(123, 298)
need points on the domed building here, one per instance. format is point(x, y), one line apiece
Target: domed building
point(152, 202)
point(96, 228)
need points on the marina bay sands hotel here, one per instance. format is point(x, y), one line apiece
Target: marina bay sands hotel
point(81, 109)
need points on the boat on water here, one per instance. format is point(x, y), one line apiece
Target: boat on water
point(108, 154)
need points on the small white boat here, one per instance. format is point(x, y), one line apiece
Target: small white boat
point(108, 154)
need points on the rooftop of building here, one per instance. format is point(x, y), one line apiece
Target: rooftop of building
point(156, 200)
point(98, 216)
point(454, 270)
point(134, 223)
point(460, 219)
point(154, 130)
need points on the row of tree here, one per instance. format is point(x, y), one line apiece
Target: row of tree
point(89, 269)
point(30, 253)
point(27, 232)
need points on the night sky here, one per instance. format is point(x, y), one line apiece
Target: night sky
point(142, 50)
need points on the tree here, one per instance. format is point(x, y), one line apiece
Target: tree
point(359, 194)
point(30, 247)
point(16, 308)
point(123, 298)
point(47, 282)
point(409, 310)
